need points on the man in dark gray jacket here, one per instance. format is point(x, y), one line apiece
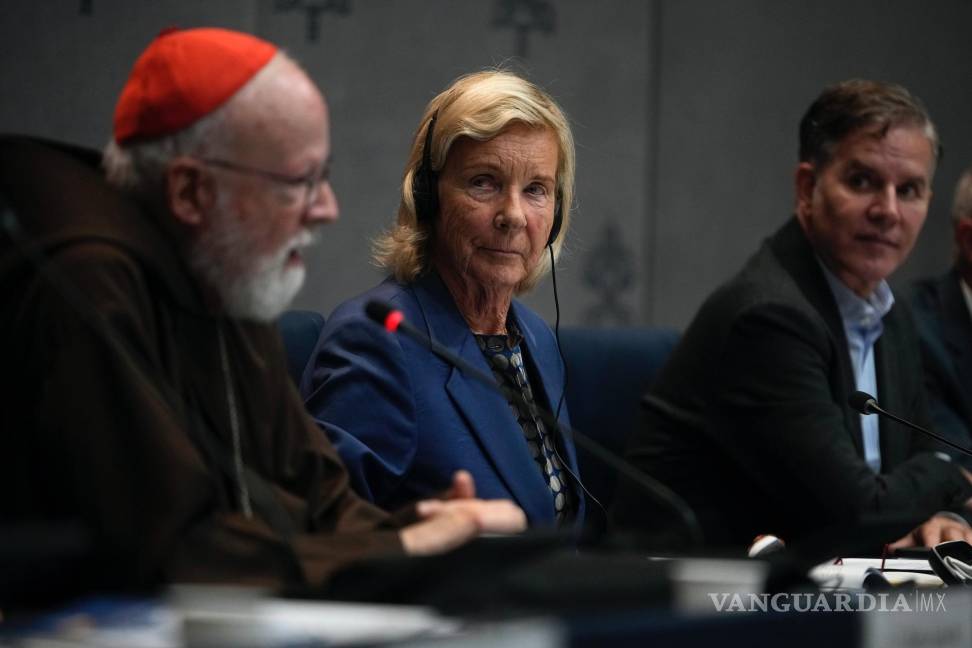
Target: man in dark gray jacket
point(749, 420)
point(943, 314)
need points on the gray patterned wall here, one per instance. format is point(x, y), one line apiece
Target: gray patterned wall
point(684, 112)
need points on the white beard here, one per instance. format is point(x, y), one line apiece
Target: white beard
point(264, 289)
point(266, 292)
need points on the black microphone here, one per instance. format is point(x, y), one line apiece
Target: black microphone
point(394, 322)
point(867, 404)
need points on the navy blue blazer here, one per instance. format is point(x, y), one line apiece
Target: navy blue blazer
point(404, 421)
point(945, 329)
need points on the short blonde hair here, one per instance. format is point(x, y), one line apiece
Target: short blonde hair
point(481, 106)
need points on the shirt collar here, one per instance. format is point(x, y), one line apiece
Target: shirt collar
point(495, 342)
point(855, 311)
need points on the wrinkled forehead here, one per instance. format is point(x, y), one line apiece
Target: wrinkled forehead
point(919, 148)
point(518, 144)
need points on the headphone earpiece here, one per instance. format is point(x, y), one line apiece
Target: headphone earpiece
point(558, 222)
point(425, 181)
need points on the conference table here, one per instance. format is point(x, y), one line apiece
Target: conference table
point(705, 602)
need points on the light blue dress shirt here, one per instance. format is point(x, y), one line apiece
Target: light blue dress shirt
point(863, 326)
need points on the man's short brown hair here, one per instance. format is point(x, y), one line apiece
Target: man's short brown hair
point(850, 106)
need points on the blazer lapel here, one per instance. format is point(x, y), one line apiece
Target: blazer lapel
point(549, 369)
point(795, 254)
point(895, 439)
point(485, 411)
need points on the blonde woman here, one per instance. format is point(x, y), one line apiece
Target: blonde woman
point(486, 199)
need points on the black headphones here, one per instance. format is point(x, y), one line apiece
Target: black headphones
point(425, 189)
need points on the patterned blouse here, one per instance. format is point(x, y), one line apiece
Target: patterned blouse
point(506, 360)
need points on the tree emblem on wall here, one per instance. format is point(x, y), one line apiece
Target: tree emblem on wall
point(609, 274)
point(523, 17)
point(313, 12)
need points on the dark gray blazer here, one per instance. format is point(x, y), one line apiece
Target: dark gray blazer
point(945, 329)
point(749, 419)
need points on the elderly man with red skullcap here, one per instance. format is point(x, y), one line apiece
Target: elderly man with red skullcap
point(147, 392)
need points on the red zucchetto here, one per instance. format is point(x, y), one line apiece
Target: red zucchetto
point(183, 76)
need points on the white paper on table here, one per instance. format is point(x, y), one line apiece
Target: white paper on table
point(850, 574)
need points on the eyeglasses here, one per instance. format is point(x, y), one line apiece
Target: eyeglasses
point(309, 184)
